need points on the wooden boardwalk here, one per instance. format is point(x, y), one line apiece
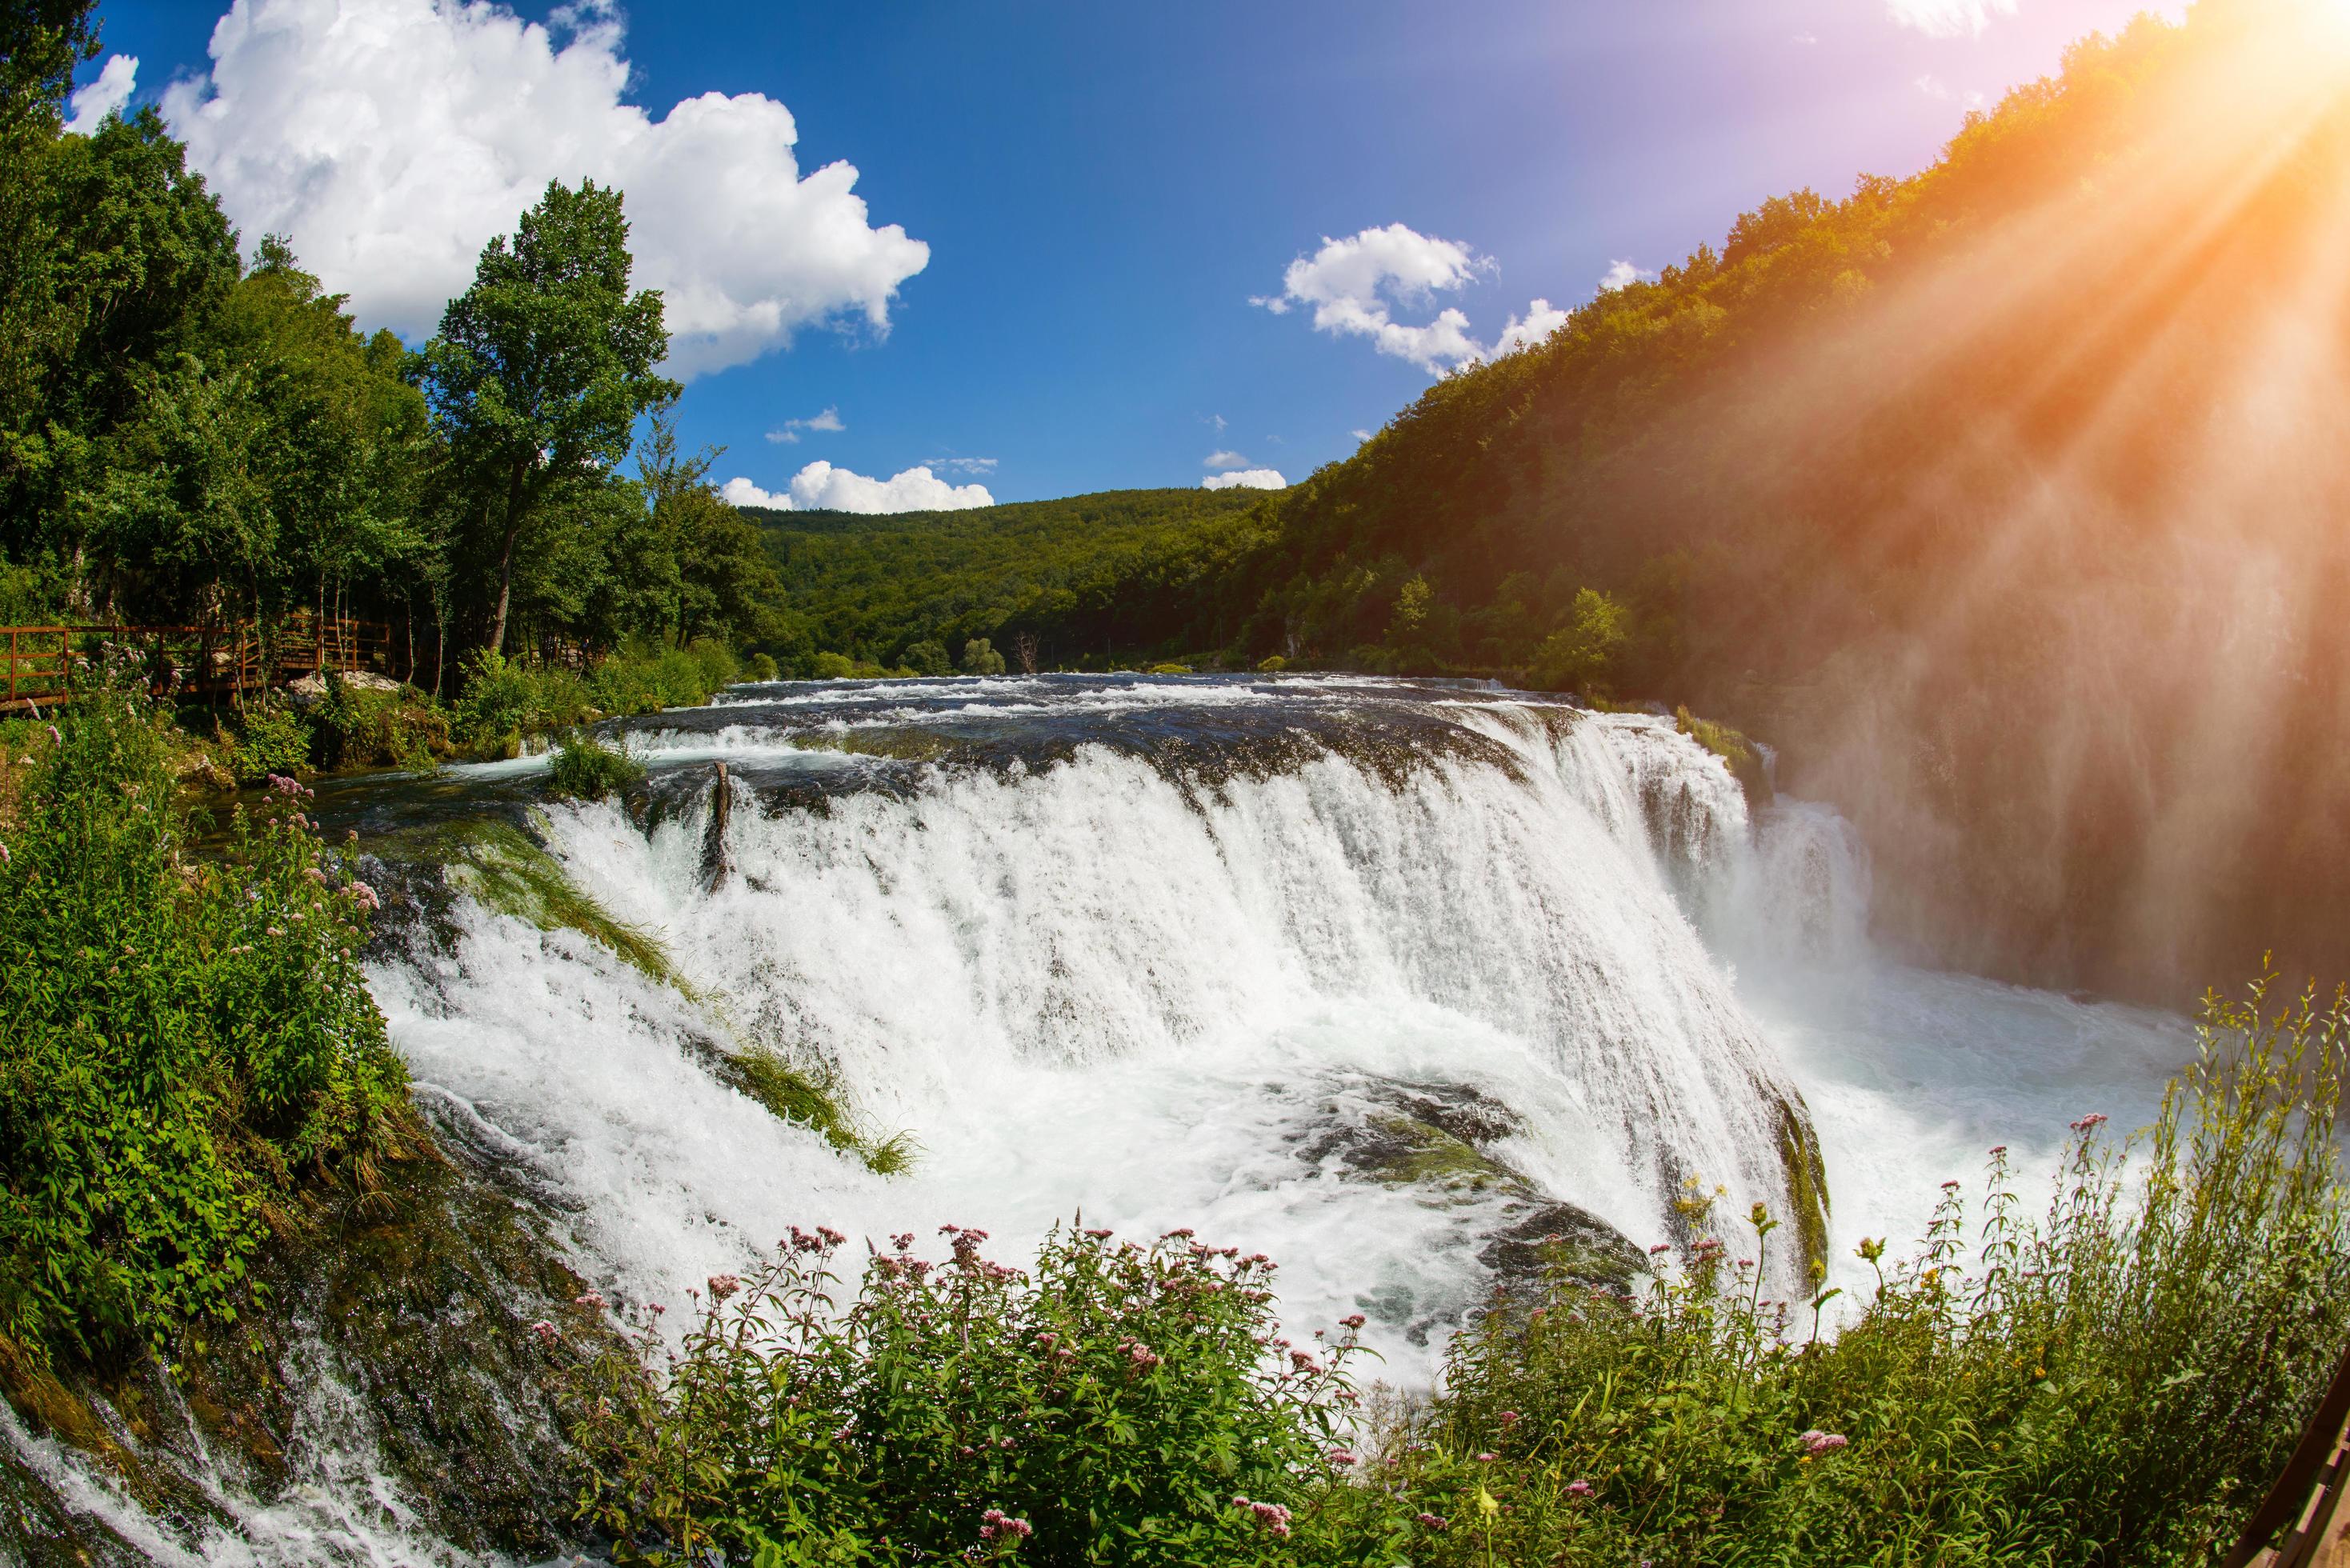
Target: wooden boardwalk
point(45, 664)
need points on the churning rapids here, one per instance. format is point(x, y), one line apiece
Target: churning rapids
point(1387, 979)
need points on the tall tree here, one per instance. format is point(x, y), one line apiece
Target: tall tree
point(541, 368)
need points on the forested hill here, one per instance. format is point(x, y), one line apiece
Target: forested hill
point(2009, 500)
point(1086, 578)
point(2006, 499)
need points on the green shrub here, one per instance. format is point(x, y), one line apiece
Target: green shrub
point(500, 700)
point(761, 667)
point(1171, 670)
point(586, 768)
point(182, 1044)
point(1117, 1405)
point(1273, 664)
point(644, 678)
point(980, 658)
point(1578, 655)
point(927, 657)
point(2114, 1384)
point(270, 738)
point(352, 728)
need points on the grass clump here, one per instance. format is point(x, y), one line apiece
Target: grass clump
point(184, 1046)
point(509, 874)
point(815, 1104)
point(1730, 745)
point(1116, 1403)
point(585, 768)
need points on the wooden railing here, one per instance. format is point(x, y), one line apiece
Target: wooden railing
point(45, 664)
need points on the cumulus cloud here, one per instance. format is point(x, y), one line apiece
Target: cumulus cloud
point(1542, 318)
point(1246, 479)
point(1623, 275)
point(1353, 285)
point(392, 138)
point(741, 492)
point(1224, 460)
point(821, 487)
point(1948, 18)
point(105, 95)
point(789, 430)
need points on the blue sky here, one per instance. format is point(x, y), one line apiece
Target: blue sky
point(1102, 189)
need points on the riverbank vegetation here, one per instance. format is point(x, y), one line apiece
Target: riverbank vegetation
point(2107, 1369)
point(187, 1045)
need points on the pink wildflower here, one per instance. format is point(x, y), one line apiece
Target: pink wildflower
point(1429, 1521)
point(4, 855)
point(1487, 1459)
point(1273, 1517)
point(1342, 1457)
point(724, 1285)
point(1352, 1320)
point(547, 1333)
point(276, 931)
point(998, 1525)
point(1816, 1442)
point(1578, 1489)
point(364, 896)
point(2094, 1119)
point(589, 1299)
point(1509, 1417)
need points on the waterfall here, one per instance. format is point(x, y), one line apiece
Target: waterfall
point(1384, 979)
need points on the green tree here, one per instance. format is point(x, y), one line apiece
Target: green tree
point(980, 658)
point(1577, 655)
point(542, 366)
point(926, 657)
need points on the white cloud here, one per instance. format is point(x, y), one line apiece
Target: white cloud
point(1948, 18)
point(822, 487)
point(789, 431)
point(1354, 284)
point(105, 95)
point(963, 465)
point(1360, 435)
point(1541, 319)
point(391, 138)
point(1224, 460)
point(741, 492)
point(1623, 275)
point(1219, 421)
point(1246, 479)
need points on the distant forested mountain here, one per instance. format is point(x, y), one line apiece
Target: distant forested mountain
point(1087, 578)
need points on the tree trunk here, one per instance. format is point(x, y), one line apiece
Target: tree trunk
point(506, 557)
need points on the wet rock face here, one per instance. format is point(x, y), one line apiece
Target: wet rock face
point(394, 1349)
point(1436, 1138)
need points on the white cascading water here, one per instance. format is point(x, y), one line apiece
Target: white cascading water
point(1089, 985)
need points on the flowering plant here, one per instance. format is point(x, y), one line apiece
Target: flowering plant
point(1118, 1401)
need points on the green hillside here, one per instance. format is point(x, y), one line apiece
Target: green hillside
point(1091, 578)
